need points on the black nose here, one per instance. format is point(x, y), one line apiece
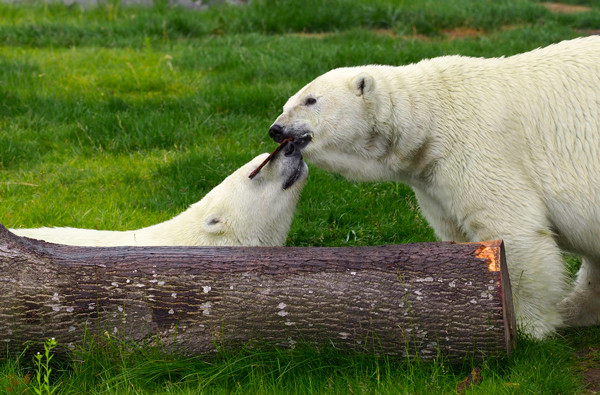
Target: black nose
point(276, 133)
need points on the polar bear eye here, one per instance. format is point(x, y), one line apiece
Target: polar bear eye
point(310, 101)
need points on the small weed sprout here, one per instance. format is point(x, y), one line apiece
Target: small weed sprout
point(42, 362)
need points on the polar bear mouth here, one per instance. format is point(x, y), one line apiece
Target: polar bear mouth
point(292, 166)
point(300, 136)
point(295, 176)
point(302, 141)
point(292, 153)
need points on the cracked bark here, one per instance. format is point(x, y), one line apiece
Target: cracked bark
point(413, 299)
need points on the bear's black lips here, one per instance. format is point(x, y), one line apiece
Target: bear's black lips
point(302, 141)
point(292, 151)
point(295, 175)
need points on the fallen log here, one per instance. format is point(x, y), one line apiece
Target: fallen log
point(415, 299)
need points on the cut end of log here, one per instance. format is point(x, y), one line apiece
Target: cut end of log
point(491, 255)
point(492, 252)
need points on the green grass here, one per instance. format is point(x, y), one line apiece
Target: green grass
point(115, 118)
point(108, 365)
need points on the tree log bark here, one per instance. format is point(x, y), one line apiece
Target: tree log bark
point(413, 299)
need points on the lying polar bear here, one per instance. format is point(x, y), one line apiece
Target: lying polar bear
point(493, 148)
point(238, 212)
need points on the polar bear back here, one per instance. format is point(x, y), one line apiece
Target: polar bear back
point(82, 237)
point(542, 113)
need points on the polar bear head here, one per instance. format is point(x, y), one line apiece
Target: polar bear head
point(240, 211)
point(255, 211)
point(343, 121)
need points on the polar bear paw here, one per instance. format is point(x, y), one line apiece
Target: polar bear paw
point(581, 308)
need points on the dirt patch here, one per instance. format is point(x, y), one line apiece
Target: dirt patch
point(460, 32)
point(385, 32)
point(463, 32)
point(589, 32)
point(311, 35)
point(418, 37)
point(560, 8)
point(591, 379)
point(378, 32)
point(589, 366)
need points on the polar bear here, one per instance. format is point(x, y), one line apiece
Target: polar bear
point(493, 148)
point(241, 211)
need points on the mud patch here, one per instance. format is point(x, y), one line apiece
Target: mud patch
point(463, 32)
point(385, 32)
point(377, 32)
point(560, 8)
point(588, 365)
point(311, 35)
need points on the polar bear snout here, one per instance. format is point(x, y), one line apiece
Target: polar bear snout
point(300, 138)
point(285, 163)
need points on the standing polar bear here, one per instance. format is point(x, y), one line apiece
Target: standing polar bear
point(493, 148)
point(241, 211)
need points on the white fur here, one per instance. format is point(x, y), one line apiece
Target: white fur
point(493, 148)
point(238, 212)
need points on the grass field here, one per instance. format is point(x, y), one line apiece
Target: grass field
point(116, 118)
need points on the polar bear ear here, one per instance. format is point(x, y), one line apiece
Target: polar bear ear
point(363, 83)
point(214, 224)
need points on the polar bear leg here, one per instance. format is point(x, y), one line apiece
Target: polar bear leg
point(582, 306)
point(538, 281)
point(537, 271)
point(445, 228)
